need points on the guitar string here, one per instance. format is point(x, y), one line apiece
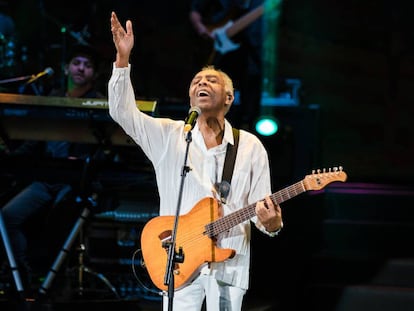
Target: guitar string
point(225, 223)
point(188, 239)
point(285, 194)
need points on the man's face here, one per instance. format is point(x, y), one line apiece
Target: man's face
point(81, 70)
point(207, 91)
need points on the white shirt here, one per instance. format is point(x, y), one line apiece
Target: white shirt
point(163, 142)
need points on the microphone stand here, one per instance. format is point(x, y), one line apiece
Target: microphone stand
point(173, 256)
point(22, 87)
point(16, 79)
point(35, 89)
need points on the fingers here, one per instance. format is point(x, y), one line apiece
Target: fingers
point(267, 207)
point(269, 202)
point(123, 40)
point(269, 214)
point(262, 209)
point(118, 30)
point(114, 20)
point(129, 30)
point(115, 25)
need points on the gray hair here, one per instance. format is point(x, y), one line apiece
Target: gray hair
point(228, 82)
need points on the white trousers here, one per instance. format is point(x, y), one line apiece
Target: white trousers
point(218, 296)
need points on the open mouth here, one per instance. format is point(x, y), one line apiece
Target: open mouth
point(202, 94)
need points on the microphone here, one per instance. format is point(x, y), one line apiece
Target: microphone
point(191, 119)
point(47, 72)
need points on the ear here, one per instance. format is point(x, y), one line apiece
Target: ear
point(229, 99)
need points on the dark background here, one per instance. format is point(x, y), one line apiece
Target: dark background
point(355, 63)
point(354, 60)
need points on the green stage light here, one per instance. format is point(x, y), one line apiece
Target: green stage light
point(267, 126)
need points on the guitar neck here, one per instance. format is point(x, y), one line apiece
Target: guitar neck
point(244, 21)
point(229, 221)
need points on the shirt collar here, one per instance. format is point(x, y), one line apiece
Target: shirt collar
point(228, 132)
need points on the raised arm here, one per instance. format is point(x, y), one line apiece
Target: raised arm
point(123, 39)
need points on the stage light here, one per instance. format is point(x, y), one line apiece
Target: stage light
point(267, 126)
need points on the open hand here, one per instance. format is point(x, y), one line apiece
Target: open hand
point(123, 39)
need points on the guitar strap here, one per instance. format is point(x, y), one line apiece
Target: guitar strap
point(231, 152)
point(230, 157)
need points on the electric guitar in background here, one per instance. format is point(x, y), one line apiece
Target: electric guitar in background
point(222, 35)
point(197, 231)
point(224, 32)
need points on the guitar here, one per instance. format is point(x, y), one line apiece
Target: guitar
point(196, 231)
point(222, 35)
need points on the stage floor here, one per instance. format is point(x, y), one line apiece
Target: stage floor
point(108, 305)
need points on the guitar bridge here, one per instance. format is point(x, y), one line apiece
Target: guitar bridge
point(165, 238)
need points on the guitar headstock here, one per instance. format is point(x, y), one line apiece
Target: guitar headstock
point(320, 178)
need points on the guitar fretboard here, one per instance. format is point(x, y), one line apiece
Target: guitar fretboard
point(244, 21)
point(229, 221)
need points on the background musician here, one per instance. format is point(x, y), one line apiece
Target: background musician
point(243, 64)
point(48, 189)
point(81, 72)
